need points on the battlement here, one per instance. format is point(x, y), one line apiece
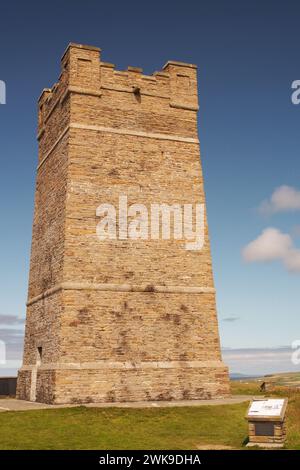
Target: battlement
point(83, 72)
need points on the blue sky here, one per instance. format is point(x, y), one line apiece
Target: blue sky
point(248, 56)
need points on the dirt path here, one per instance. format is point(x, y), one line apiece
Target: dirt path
point(12, 404)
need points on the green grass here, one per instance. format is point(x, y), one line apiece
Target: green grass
point(116, 428)
point(148, 428)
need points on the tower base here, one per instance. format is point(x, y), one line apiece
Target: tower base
point(123, 382)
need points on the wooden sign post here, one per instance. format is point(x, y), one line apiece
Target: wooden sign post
point(266, 421)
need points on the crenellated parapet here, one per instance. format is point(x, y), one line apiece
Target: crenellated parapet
point(84, 74)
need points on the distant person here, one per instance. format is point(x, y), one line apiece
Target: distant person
point(263, 387)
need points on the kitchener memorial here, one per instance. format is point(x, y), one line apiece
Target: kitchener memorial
point(121, 318)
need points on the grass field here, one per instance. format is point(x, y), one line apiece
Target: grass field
point(154, 428)
point(286, 379)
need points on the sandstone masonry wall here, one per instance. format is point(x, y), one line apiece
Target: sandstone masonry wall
point(118, 320)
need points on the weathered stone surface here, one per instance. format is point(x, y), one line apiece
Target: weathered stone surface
point(117, 320)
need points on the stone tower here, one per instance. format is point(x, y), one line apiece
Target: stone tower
point(118, 319)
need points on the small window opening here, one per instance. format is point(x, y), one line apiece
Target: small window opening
point(137, 93)
point(39, 355)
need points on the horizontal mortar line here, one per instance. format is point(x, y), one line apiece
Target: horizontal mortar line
point(151, 135)
point(73, 285)
point(81, 91)
point(107, 364)
point(98, 93)
point(53, 146)
point(62, 97)
point(120, 131)
point(188, 107)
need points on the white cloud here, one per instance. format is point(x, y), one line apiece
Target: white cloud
point(292, 260)
point(284, 199)
point(273, 245)
point(270, 245)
